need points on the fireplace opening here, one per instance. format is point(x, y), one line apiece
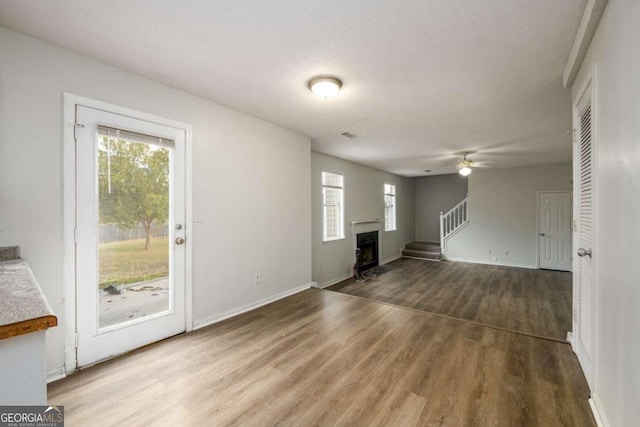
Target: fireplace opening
point(367, 250)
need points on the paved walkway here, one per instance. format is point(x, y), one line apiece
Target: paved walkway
point(135, 301)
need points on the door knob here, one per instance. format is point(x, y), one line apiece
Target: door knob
point(179, 240)
point(582, 252)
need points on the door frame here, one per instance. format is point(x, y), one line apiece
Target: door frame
point(538, 193)
point(69, 213)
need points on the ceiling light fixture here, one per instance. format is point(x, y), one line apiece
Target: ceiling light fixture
point(464, 171)
point(325, 87)
point(464, 167)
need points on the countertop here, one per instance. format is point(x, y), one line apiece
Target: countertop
point(23, 306)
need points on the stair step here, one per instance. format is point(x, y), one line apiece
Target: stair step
point(423, 246)
point(436, 256)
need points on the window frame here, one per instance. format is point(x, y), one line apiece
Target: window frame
point(392, 193)
point(341, 219)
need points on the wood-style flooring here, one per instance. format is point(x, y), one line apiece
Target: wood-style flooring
point(533, 302)
point(325, 358)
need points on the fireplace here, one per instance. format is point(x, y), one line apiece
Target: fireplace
point(367, 248)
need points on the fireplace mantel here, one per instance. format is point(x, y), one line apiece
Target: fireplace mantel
point(365, 221)
point(365, 225)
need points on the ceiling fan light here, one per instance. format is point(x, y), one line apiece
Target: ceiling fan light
point(325, 87)
point(464, 171)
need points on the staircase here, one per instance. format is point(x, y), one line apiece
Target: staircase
point(453, 221)
point(422, 250)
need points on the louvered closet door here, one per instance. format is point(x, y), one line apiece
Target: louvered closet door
point(584, 286)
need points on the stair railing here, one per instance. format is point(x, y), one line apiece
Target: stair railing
point(452, 221)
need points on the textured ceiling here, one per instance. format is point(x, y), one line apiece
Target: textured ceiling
point(422, 79)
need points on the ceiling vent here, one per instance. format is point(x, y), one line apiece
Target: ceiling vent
point(348, 135)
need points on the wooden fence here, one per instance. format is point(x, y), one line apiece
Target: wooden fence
point(116, 233)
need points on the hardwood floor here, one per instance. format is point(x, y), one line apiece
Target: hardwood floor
point(533, 302)
point(325, 358)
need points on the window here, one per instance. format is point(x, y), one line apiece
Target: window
point(389, 207)
point(332, 206)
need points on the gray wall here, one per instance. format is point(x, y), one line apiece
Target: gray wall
point(435, 194)
point(363, 193)
point(503, 214)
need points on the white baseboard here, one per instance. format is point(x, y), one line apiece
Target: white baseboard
point(248, 307)
point(56, 374)
point(598, 411)
point(502, 264)
point(333, 281)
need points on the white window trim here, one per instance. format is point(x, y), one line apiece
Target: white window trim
point(395, 207)
point(343, 221)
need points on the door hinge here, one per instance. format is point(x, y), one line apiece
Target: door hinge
point(76, 126)
point(75, 235)
point(575, 315)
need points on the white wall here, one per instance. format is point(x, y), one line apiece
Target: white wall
point(502, 212)
point(363, 192)
point(250, 180)
point(615, 50)
point(435, 194)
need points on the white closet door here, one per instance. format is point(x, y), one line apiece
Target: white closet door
point(584, 284)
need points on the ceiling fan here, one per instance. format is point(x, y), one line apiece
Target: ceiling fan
point(445, 163)
point(464, 167)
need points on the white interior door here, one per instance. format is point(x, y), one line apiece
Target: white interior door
point(554, 217)
point(584, 283)
point(130, 216)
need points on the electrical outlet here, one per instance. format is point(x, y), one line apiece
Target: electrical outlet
point(257, 278)
point(506, 253)
point(495, 259)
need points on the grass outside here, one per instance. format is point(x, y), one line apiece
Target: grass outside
point(127, 261)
